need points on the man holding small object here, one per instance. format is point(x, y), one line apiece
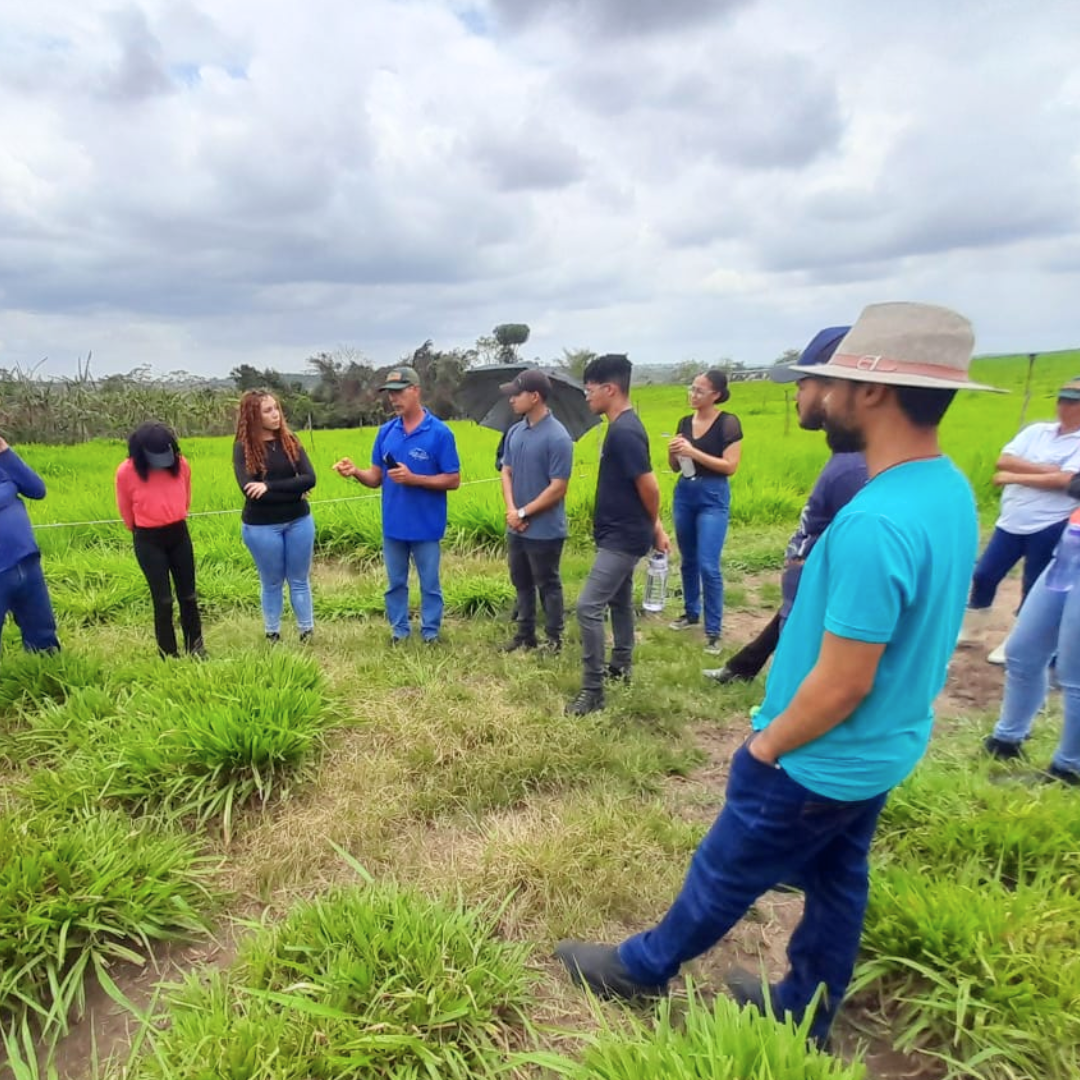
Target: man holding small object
point(416, 453)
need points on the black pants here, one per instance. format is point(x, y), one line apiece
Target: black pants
point(751, 658)
point(534, 567)
point(166, 558)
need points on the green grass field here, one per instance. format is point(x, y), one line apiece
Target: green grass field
point(392, 841)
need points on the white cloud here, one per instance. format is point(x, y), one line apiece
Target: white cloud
point(198, 185)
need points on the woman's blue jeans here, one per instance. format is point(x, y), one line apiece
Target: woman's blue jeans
point(283, 553)
point(701, 520)
point(1048, 624)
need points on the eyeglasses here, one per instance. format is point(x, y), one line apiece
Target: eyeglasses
point(697, 391)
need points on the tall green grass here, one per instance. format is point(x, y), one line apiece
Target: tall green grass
point(780, 463)
point(183, 738)
point(702, 1040)
point(363, 982)
point(80, 892)
point(969, 951)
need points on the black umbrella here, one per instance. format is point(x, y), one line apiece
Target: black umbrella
point(482, 400)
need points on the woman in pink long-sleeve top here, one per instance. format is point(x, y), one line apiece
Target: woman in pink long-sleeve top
point(153, 493)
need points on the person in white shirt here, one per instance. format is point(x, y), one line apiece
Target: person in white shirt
point(1033, 472)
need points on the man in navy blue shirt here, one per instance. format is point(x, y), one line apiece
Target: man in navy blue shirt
point(417, 454)
point(22, 585)
point(626, 524)
point(839, 482)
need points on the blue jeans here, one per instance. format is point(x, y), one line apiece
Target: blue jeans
point(24, 593)
point(772, 830)
point(425, 554)
point(1048, 624)
point(283, 553)
point(701, 520)
point(1003, 552)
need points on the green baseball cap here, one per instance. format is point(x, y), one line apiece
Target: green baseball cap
point(400, 378)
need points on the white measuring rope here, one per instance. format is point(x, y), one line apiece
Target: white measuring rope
point(238, 510)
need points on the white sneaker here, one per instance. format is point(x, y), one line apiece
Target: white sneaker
point(998, 655)
point(975, 620)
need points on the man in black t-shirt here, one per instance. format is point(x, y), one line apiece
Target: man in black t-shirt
point(626, 524)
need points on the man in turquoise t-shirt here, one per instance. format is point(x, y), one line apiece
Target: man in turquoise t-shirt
point(847, 710)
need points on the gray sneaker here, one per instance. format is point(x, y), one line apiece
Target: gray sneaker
point(683, 622)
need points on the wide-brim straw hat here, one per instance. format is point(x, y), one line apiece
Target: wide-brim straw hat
point(906, 344)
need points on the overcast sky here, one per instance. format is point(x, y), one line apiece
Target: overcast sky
point(202, 183)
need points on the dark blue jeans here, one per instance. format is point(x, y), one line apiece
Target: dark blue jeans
point(700, 511)
point(24, 593)
point(770, 831)
point(1003, 552)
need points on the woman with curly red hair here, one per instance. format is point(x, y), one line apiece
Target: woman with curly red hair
point(275, 475)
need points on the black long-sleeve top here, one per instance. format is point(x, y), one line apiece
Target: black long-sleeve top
point(286, 485)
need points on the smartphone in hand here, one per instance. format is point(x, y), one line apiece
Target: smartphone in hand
point(389, 461)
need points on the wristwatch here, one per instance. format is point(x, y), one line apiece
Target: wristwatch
point(521, 513)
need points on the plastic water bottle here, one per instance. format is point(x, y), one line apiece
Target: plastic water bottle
point(656, 582)
point(1065, 568)
point(686, 463)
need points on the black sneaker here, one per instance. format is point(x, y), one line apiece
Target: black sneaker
point(306, 636)
point(1002, 750)
point(273, 638)
point(617, 674)
point(1062, 776)
point(683, 622)
point(399, 639)
point(514, 644)
point(599, 968)
point(747, 989)
point(587, 701)
point(551, 647)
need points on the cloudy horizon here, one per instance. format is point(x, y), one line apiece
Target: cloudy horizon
point(194, 186)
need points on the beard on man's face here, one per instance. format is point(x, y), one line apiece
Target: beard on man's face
point(842, 439)
point(811, 417)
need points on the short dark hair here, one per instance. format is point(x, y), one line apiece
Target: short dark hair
point(922, 405)
point(609, 368)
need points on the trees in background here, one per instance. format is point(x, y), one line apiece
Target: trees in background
point(338, 389)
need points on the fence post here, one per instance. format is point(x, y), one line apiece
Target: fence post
point(1027, 388)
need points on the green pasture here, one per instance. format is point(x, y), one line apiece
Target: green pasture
point(393, 840)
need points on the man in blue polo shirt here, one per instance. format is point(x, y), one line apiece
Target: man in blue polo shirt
point(415, 462)
point(848, 702)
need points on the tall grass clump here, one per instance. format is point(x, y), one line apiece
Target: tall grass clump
point(30, 680)
point(696, 1040)
point(981, 975)
point(79, 893)
point(363, 982)
point(191, 740)
point(969, 949)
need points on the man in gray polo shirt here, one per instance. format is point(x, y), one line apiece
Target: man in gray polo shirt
point(536, 466)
